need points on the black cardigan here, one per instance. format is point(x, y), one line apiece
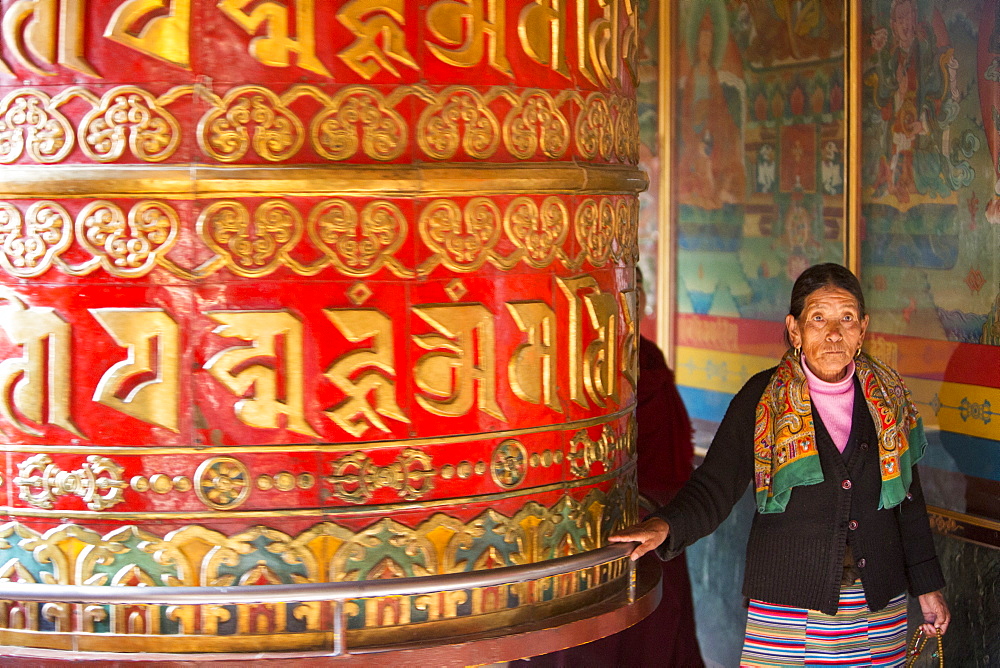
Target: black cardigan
point(796, 557)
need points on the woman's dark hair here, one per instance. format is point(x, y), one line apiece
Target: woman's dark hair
point(819, 276)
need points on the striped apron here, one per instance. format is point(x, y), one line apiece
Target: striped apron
point(779, 635)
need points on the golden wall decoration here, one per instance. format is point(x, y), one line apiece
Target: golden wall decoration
point(97, 482)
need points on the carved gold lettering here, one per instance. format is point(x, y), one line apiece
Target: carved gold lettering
point(51, 30)
point(598, 41)
point(541, 28)
point(593, 369)
point(148, 376)
point(464, 26)
point(356, 414)
point(532, 368)
point(630, 39)
point(273, 47)
point(379, 38)
point(630, 345)
point(40, 379)
point(164, 36)
point(257, 366)
point(458, 361)
point(600, 363)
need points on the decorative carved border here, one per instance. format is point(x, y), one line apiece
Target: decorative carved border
point(355, 122)
point(356, 238)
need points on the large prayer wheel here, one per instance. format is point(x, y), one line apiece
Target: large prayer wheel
point(308, 292)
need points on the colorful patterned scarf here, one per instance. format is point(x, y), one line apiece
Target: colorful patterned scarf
point(784, 437)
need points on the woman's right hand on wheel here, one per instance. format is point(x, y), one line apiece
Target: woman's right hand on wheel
point(650, 534)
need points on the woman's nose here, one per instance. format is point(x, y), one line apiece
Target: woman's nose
point(834, 333)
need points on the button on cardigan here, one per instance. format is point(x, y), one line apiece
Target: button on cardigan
point(796, 557)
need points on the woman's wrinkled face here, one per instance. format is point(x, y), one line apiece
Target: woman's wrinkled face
point(829, 331)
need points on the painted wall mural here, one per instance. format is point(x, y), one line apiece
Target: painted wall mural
point(930, 94)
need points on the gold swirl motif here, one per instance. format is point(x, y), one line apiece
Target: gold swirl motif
point(595, 229)
point(627, 215)
point(277, 132)
point(463, 240)
point(535, 121)
point(539, 231)
point(222, 483)
point(357, 246)
point(628, 132)
point(439, 130)
point(27, 250)
point(127, 248)
point(128, 111)
point(359, 109)
point(250, 248)
point(49, 134)
point(595, 128)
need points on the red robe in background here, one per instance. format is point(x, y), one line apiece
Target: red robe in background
point(667, 636)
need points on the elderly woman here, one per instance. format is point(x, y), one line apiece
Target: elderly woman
point(830, 440)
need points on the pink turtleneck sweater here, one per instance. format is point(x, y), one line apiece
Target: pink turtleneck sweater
point(834, 402)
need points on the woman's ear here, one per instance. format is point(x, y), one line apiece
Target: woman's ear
point(792, 326)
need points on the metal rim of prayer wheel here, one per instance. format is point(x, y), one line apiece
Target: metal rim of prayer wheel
point(297, 293)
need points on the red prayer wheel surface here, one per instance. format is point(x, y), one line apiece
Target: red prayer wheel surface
point(299, 292)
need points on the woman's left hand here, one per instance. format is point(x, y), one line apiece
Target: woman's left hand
point(936, 613)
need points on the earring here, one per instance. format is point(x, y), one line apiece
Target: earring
point(798, 351)
point(857, 353)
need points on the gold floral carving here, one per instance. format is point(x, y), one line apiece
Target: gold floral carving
point(360, 110)
point(539, 231)
point(535, 122)
point(359, 245)
point(98, 482)
point(29, 121)
point(251, 247)
point(595, 229)
point(27, 247)
point(127, 248)
point(457, 116)
point(627, 217)
point(355, 477)
point(356, 243)
point(129, 114)
point(595, 128)
point(222, 483)
point(356, 120)
point(277, 132)
point(462, 239)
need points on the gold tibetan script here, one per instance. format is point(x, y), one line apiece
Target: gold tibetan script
point(37, 384)
point(163, 36)
point(541, 27)
point(460, 357)
point(593, 368)
point(46, 32)
point(380, 37)
point(127, 386)
point(263, 329)
point(462, 29)
point(532, 368)
point(364, 371)
point(274, 47)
